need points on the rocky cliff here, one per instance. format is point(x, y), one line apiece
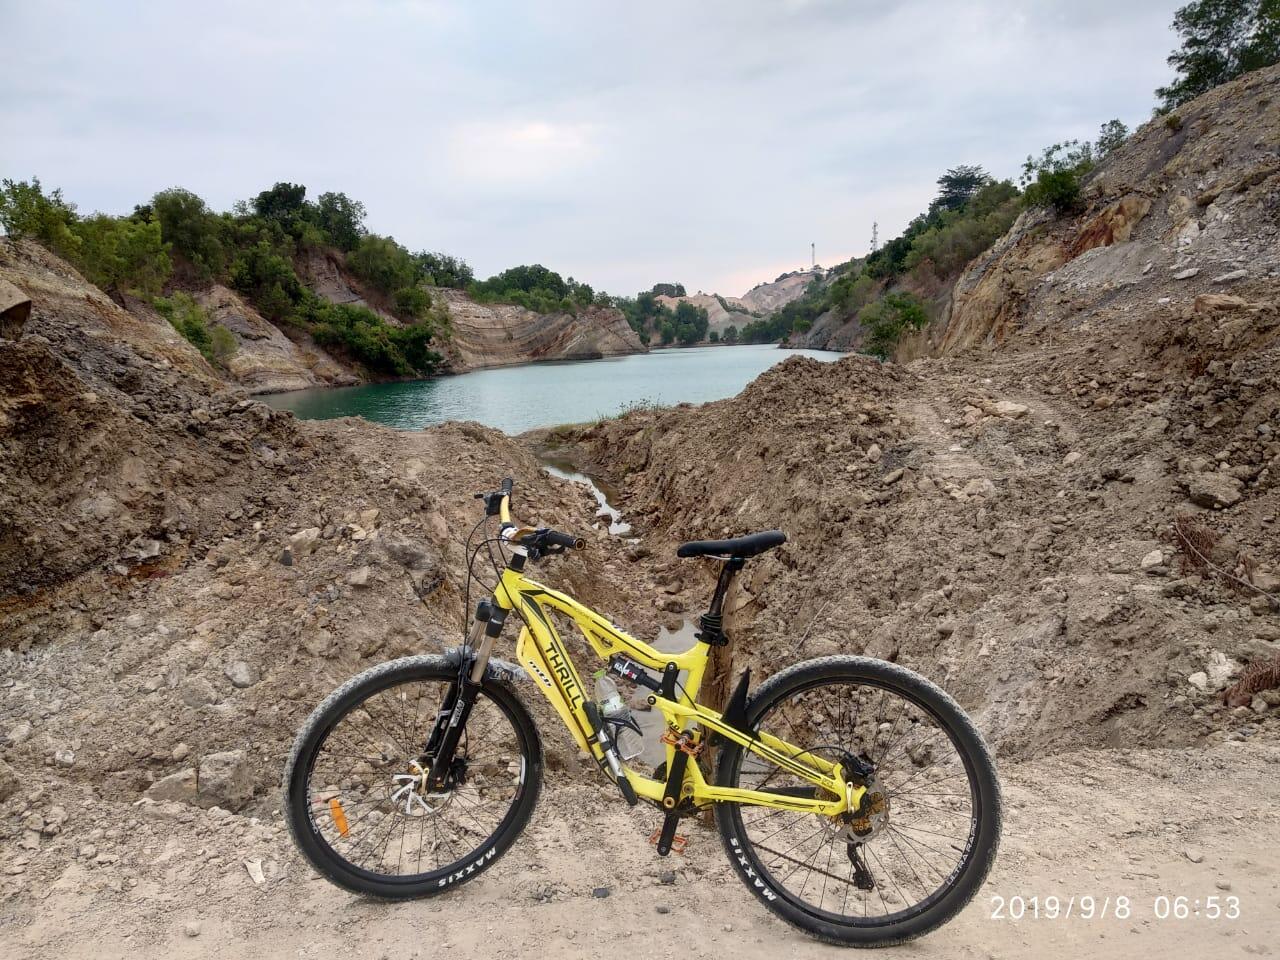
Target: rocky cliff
point(1188, 207)
point(719, 319)
point(766, 298)
point(502, 335)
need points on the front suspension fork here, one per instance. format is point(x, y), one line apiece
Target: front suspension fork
point(442, 744)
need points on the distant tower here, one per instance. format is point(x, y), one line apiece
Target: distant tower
point(813, 255)
point(875, 237)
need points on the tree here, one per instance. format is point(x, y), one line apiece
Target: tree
point(25, 211)
point(442, 270)
point(189, 227)
point(690, 323)
point(1053, 178)
point(1221, 39)
point(1111, 135)
point(957, 186)
point(341, 219)
point(268, 279)
point(285, 203)
point(668, 290)
point(119, 254)
point(382, 263)
point(731, 334)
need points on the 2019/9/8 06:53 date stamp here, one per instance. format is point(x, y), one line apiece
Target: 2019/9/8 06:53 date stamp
point(1089, 906)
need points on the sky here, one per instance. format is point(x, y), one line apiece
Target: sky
point(705, 142)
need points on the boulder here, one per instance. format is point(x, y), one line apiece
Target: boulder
point(223, 780)
point(241, 674)
point(15, 308)
point(1214, 490)
point(180, 786)
point(304, 541)
point(1007, 408)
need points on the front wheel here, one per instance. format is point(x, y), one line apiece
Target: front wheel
point(356, 798)
point(926, 834)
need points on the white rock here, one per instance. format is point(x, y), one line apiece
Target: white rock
point(979, 487)
point(240, 674)
point(873, 453)
point(304, 541)
point(1231, 277)
point(1186, 274)
point(1007, 408)
point(1199, 680)
point(1152, 559)
point(1072, 458)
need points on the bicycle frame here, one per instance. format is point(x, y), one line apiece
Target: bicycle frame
point(541, 652)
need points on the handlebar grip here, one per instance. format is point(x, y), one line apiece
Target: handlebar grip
point(507, 484)
point(558, 539)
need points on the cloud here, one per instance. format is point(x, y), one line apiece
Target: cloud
point(624, 144)
point(521, 153)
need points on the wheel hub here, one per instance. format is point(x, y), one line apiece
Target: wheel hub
point(868, 820)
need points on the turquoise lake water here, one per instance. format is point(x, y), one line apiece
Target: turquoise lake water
point(515, 399)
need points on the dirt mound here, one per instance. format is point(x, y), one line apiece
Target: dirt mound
point(1003, 525)
point(184, 572)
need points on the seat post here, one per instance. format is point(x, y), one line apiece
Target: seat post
point(712, 621)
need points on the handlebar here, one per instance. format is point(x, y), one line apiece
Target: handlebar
point(538, 542)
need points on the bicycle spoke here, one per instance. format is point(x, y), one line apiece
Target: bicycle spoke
point(914, 759)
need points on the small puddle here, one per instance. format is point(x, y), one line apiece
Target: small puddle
point(617, 526)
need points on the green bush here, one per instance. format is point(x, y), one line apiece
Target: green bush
point(412, 302)
point(122, 255)
point(222, 345)
point(340, 219)
point(382, 263)
point(361, 333)
point(268, 279)
point(887, 319)
point(189, 319)
point(190, 228)
point(442, 270)
point(25, 211)
point(959, 236)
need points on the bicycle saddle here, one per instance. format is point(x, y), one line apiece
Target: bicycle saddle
point(739, 547)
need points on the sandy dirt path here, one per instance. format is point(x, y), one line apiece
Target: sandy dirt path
point(1133, 824)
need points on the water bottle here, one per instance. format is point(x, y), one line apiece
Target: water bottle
point(615, 713)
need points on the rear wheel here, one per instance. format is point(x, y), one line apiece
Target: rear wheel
point(926, 836)
point(356, 800)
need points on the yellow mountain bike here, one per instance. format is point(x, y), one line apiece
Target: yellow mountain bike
point(853, 797)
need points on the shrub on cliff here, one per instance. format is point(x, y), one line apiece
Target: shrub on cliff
point(189, 319)
point(122, 255)
point(412, 302)
point(361, 333)
point(887, 319)
point(190, 228)
point(268, 279)
point(26, 211)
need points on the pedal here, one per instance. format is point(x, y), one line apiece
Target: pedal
point(682, 741)
point(666, 839)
